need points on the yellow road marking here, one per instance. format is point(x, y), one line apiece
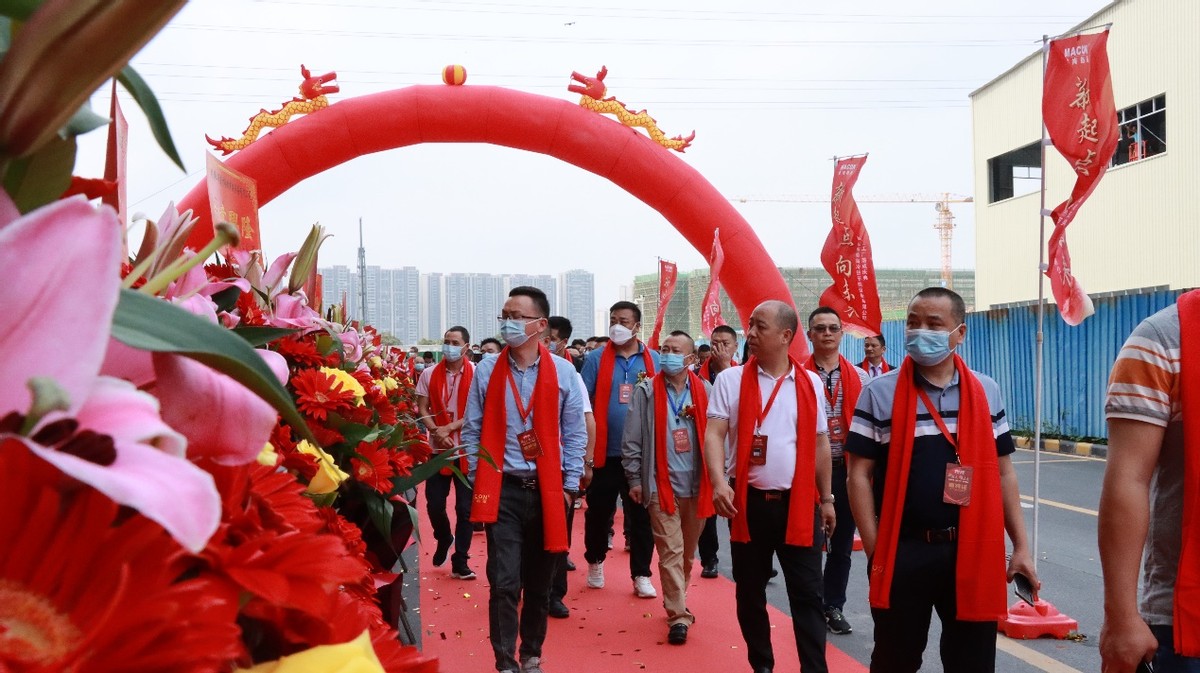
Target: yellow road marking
point(1064, 456)
point(1032, 656)
point(1063, 505)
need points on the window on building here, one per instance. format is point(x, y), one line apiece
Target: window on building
point(1143, 130)
point(1015, 173)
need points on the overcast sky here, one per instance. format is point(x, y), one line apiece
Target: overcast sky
point(773, 91)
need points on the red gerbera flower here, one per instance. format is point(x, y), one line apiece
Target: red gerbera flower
point(87, 588)
point(402, 461)
point(318, 393)
point(373, 469)
point(301, 351)
point(247, 307)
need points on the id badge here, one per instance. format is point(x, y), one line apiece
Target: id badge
point(531, 448)
point(625, 393)
point(957, 490)
point(758, 450)
point(836, 432)
point(683, 443)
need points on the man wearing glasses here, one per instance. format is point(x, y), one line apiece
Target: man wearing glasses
point(525, 410)
point(842, 382)
point(610, 374)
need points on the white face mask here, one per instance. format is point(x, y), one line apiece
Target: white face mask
point(620, 334)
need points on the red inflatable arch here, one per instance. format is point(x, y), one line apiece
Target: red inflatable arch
point(498, 116)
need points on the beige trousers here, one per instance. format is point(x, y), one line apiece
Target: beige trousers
point(675, 536)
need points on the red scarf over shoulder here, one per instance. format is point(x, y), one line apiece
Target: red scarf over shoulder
point(850, 384)
point(544, 405)
point(604, 384)
point(883, 366)
point(979, 571)
point(706, 371)
point(1187, 582)
point(804, 495)
point(437, 400)
point(662, 475)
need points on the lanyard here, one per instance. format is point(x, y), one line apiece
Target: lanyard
point(451, 385)
point(625, 365)
point(677, 409)
point(767, 409)
point(517, 397)
point(937, 418)
point(831, 394)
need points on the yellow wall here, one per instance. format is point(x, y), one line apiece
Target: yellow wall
point(1141, 227)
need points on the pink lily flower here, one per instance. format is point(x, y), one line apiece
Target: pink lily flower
point(110, 435)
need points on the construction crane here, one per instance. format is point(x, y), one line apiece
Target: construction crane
point(943, 223)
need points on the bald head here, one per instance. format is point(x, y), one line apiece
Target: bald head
point(771, 329)
point(781, 313)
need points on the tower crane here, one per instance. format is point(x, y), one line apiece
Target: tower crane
point(943, 222)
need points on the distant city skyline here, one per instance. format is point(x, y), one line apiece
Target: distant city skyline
point(413, 306)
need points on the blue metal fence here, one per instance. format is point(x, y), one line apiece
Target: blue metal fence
point(1001, 343)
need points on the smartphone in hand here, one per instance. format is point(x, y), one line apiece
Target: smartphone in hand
point(1023, 588)
point(1145, 667)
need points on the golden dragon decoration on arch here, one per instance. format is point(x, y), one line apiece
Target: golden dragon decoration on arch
point(312, 98)
point(593, 90)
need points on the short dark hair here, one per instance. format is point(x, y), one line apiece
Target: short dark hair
point(879, 338)
point(823, 309)
point(703, 348)
point(463, 331)
point(601, 340)
point(621, 305)
point(726, 329)
point(538, 297)
point(685, 335)
point(426, 355)
point(491, 340)
point(561, 325)
point(958, 307)
point(579, 342)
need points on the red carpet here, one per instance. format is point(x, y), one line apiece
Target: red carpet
point(609, 629)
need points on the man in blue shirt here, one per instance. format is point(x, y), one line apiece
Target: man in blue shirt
point(517, 561)
point(610, 374)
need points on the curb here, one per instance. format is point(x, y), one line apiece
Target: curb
point(1065, 446)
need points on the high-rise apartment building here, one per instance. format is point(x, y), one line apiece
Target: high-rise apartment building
point(577, 301)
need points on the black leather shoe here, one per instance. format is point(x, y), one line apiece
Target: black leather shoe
point(677, 635)
point(439, 554)
point(762, 669)
point(774, 573)
point(559, 610)
point(709, 571)
point(570, 565)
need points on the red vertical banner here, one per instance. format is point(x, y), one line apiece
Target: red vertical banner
point(316, 292)
point(1081, 118)
point(847, 256)
point(710, 316)
point(667, 274)
point(114, 162)
point(233, 198)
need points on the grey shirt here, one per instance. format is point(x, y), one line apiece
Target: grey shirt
point(638, 443)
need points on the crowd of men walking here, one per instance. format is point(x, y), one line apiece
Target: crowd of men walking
point(796, 456)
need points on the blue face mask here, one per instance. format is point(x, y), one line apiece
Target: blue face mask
point(672, 363)
point(927, 347)
point(513, 332)
point(452, 353)
point(420, 366)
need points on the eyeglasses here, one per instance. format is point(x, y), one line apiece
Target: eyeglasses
point(821, 329)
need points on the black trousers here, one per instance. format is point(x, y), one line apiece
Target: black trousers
point(437, 490)
point(708, 545)
point(924, 580)
point(519, 570)
point(608, 482)
point(801, 566)
point(558, 590)
point(841, 543)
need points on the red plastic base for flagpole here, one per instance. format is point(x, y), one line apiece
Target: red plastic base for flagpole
point(857, 543)
point(1027, 621)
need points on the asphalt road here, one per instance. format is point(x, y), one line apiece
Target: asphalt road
point(1068, 564)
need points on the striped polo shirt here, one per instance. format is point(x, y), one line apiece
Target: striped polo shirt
point(832, 379)
point(1144, 386)
point(871, 437)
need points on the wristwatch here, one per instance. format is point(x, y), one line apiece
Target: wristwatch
point(589, 463)
point(827, 499)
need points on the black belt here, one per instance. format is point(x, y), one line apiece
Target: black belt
point(930, 535)
point(839, 461)
point(527, 483)
point(767, 495)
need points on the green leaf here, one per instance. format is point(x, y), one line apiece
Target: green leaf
point(412, 514)
point(152, 324)
point(380, 510)
point(355, 433)
point(423, 471)
point(84, 121)
point(142, 94)
point(256, 335)
point(19, 9)
point(41, 177)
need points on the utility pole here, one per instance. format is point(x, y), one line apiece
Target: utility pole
point(362, 276)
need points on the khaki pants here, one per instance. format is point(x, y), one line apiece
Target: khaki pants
point(676, 536)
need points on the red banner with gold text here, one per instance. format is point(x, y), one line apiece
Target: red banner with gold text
point(847, 256)
point(1081, 118)
point(233, 198)
point(667, 274)
point(710, 316)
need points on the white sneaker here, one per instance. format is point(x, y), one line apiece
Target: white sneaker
point(643, 588)
point(596, 575)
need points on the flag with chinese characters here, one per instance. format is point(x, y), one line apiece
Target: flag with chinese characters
point(1081, 118)
point(667, 273)
point(233, 198)
point(847, 256)
point(710, 316)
